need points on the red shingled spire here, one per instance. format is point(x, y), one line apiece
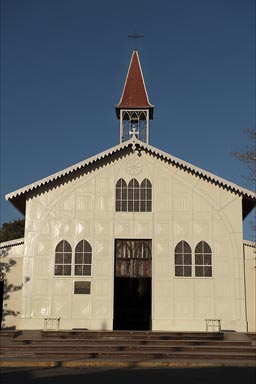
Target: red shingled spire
point(134, 94)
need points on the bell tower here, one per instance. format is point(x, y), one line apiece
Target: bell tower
point(134, 109)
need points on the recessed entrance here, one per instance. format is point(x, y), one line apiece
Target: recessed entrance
point(132, 303)
point(132, 289)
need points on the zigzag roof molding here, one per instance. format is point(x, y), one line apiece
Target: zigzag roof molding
point(249, 243)
point(12, 243)
point(135, 144)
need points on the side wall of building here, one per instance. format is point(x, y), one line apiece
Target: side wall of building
point(12, 278)
point(185, 207)
point(250, 278)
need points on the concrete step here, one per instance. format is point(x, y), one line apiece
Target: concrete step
point(126, 345)
point(134, 355)
point(151, 342)
point(139, 335)
point(77, 347)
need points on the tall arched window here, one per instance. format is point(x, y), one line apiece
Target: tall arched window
point(183, 259)
point(203, 260)
point(121, 196)
point(133, 196)
point(63, 258)
point(145, 196)
point(83, 258)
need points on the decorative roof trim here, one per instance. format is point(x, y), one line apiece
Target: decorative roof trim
point(12, 243)
point(134, 143)
point(67, 171)
point(249, 243)
point(201, 172)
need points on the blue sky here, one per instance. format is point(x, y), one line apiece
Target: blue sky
point(63, 66)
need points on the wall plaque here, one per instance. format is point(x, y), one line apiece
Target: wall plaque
point(82, 287)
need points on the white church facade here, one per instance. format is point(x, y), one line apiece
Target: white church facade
point(132, 238)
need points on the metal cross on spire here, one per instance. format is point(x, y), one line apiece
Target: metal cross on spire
point(135, 37)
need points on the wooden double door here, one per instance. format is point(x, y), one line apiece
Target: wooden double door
point(132, 286)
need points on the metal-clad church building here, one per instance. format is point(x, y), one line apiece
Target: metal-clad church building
point(132, 238)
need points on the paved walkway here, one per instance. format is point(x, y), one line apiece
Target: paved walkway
point(60, 375)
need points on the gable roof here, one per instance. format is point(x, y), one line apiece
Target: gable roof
point(18, 197)
point(134, 93)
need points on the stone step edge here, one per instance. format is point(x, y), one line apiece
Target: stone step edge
point(125, 343)
point(116, 355)
point(122, 348)
point(125, 364)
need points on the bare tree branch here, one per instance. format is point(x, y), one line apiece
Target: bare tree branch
point(248, 157)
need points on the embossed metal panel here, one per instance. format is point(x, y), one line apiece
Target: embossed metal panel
point(133, 258)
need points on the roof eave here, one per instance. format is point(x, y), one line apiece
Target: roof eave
point(248, 205)
point(11, 243)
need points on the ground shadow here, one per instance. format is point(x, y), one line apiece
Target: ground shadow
point(126, 376)
point(6, 288)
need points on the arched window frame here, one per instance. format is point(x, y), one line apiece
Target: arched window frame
point(183, 259)
point(121, 196)
point(133, 196)
point(146, 196)
point(203, 260)
point(63, 259)
point(83, 259)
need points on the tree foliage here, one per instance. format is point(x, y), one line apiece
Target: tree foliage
point(12, 230)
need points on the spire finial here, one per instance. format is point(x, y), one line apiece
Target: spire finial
point(135, 37)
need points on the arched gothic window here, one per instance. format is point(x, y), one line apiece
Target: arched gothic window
point(183, 259)
point(203, 260)
point(63, 258)
point(83, 258)
point(121, 196)
point(145, 196)
point(135, 197)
